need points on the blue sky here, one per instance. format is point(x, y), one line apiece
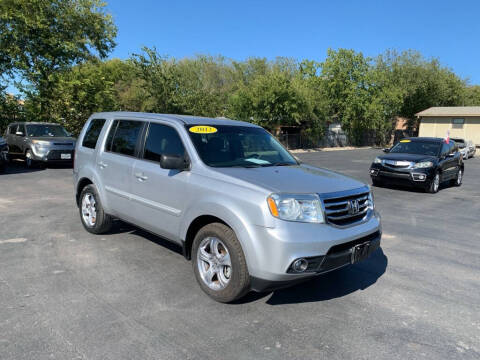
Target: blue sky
point(449, 30)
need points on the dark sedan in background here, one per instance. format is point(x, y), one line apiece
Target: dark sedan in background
point(420, 162)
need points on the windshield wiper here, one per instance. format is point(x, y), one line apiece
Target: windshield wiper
point(280, 163)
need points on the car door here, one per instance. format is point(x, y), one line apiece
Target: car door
point(115, 166)
point(448, 161)
point(21, 141)
point(12, 139)
point(159, 195)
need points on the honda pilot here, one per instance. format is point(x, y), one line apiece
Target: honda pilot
point(243, 209)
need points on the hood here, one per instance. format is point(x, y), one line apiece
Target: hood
point(59, 139)
point(406, 157)
point(293, 179)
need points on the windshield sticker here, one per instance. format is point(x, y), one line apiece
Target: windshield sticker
point(257, 161)
point(203, 129)
point(405, 141)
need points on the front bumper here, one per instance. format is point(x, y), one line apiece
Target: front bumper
point(53, 154)
point(412, 177)
point(337, 257)
point(327, 247)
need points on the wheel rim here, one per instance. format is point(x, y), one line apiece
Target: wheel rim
point(89, 210)
point(459, 177)
point(29, 159)
point(214, 264)
point(436, 182)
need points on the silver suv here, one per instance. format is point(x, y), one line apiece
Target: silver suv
point(244, 210)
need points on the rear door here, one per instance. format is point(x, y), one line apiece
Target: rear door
point(159, 195)
point(115, 165)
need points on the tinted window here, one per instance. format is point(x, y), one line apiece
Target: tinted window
point(40, 130)
point(92, 133)
point(445, 149)
point(126, 137)
point(111, 134)
point(417, 147)
point(12, 129)
point(162, 139)
point(242, 146)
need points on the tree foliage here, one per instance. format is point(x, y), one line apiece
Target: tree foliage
point(39, 38)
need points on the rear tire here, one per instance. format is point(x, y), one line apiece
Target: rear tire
point(228, 282)
point(93, 217)
point(377, 183)
point(459, 179)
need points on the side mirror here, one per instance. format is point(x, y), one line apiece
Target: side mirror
point(386, 150)
point(173, 162)
point(19, 133)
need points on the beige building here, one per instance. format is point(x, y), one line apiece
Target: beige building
point(461, 121)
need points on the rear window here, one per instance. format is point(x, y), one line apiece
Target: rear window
point(125, 137)
point(93, 132)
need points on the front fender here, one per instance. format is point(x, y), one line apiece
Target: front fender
point(236, 215)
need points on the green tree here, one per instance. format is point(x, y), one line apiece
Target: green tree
point(88, 88)
point(39, 38)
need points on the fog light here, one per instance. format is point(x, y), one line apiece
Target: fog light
point(421, 177)
point(300, 265)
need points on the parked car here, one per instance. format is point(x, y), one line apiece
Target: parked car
point(238, 203)
point(3, 154)
point(40, 143)
point(472, 149)
point(420, 162)
point(462, 147)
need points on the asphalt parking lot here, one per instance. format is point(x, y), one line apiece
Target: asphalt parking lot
point(68, 294)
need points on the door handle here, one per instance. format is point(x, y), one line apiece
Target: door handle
point(102, 165)
point(141, 176)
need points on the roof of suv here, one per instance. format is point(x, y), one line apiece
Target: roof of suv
point(183, 119)
point(34, 123)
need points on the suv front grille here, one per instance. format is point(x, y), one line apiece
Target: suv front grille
point(346, 210)
point(57, 154)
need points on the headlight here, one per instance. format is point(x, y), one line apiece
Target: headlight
point(371, 203)
point(423, 164)
point(40, 143)
point(377, 160)
point(296, 207)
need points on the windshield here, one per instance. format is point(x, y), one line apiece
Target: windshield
point(38, 130)
point(417, 147)
point(459, 142)
point(239, 146)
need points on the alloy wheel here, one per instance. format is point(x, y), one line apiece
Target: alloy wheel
point(89, 211)
point(214, 263)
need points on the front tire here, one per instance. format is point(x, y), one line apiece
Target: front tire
point(434, 185)
point(219, 263)
point(94, 219)
point(29, 162)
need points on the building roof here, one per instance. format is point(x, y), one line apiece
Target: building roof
point(185, 119)
point(450, 111)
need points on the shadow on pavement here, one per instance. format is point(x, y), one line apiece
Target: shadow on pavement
point(335, 284)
